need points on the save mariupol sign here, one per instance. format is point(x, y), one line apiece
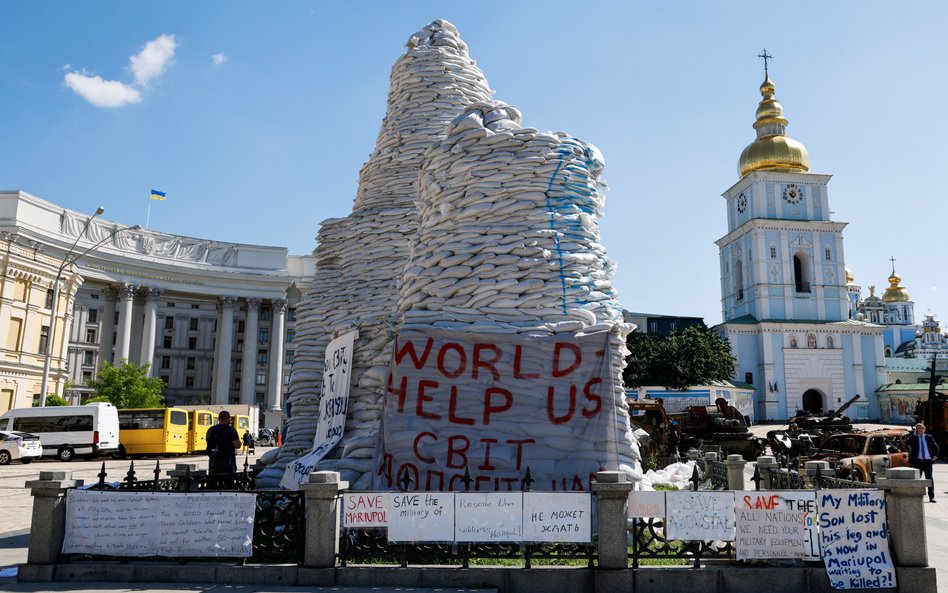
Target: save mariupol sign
point(333, 405)
point(495, 405)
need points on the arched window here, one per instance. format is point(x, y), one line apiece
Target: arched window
point(829, 341)
point(828, 254)
point(739, 279)
point(811, 341)
point(801, 274)
point(773, 252)
point(888, 352)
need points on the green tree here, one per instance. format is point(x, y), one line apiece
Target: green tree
point(694, 356)
point(52, 400)
point(127, 386)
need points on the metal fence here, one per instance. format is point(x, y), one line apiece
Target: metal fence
point(789, 479)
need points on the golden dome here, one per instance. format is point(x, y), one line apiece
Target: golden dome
point(895, 293)
point(849, 276)
point(773, 150)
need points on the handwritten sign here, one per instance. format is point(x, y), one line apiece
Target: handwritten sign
point(333, 405)
point(421, 517)
point(776, 524)
point(854, 534)
point(497, 403)
point(646, 504)
point(159, 524)
point(488, 517)
point(557, 517)
point(699, 516)
point(365, 509)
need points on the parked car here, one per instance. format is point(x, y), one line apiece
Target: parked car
point(67, 431)
point(19, 445)
point(859, 454)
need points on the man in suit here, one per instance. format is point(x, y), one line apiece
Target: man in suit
point(923, 451)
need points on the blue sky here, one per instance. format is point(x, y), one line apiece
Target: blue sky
point(266, 140)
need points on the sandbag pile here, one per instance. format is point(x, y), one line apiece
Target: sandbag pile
point(360, 258)
point(508, 241)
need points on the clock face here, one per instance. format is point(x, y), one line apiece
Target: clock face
point(792, 194)
point(741, 203)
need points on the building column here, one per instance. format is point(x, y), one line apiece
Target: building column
point(248, 372)
point(124, 341)
point(275, 384)
point(107, 324)
point(149, 329)
point(225, 340)
point(138, 325)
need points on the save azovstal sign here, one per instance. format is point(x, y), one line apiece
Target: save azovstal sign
point(495, 405)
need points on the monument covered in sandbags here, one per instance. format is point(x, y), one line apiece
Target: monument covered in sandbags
point(489, 335)
point(511, 342)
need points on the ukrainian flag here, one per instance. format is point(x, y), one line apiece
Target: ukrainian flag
point(157, 195)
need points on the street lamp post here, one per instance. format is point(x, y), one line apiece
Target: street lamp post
point(67, 260)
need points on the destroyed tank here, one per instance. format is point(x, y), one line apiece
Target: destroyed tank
point(821, 426)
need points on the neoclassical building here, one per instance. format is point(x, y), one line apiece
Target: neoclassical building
point(786, 304)
point(214, 320)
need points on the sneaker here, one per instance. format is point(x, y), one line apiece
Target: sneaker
point(931, 500)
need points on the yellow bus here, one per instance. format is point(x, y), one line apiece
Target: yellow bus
point(153, 431)
point(199, 421)
point(241, 423)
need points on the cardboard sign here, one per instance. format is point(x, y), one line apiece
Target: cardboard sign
point(775, 524)
point(647, 504)
point(557, 517)
point(333, 405)
point(488, 516)
point(365, 509)
point(854, 534)
point(496, 404)
point(421, 517)
point(159, 524)
point(699, 516)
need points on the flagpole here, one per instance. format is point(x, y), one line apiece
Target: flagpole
point(148, 216)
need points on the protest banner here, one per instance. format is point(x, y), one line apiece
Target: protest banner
point(776, 524)
point(488, 517)
point(421, 517)
point(496, 404)
point(557, 517)
point(333, 404)
point(646, 504)
point(854, 535)
point(159, 524)
point(699, 516)
point(365, 509)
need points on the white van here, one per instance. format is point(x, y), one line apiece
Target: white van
point(67, 431)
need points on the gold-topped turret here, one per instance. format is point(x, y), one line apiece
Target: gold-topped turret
point(773, 150)
point(896, 293)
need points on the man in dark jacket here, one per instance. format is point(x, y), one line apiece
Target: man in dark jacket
point(923, 451)
point(222, 444)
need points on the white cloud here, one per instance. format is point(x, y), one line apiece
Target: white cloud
point(218, 59)
point(102, 93)
point(153, 59)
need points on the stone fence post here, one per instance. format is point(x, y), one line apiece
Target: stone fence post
point(612, 495)
point(709, 458)
point(811, 467)
point(735, 472)
point(48, 522)
point(323, 494)
point(764, 465)
point(904, 493)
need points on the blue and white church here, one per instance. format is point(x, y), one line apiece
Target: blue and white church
point(785, 303)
